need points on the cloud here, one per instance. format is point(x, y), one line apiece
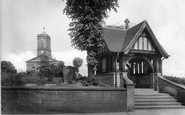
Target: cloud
point(18, 60)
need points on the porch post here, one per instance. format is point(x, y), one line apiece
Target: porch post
point(155, 81)
point(156, 74)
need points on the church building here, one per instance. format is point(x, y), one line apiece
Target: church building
point(43, 53)
point(132, 52)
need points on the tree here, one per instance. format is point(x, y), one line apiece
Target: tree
point(49, 71)
point(8, 67)
point(86, 26)
point(77, 62)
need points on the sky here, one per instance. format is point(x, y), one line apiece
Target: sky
point(22, 20)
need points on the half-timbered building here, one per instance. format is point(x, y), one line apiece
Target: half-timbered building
point(132, 52)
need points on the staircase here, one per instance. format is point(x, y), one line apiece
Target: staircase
point(150, 99)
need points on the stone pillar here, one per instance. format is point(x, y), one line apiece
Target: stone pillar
point(130, 97)
point(114, 79)
point(118, 80)
point(155, 81)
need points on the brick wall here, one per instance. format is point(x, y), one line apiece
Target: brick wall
point(22, 100)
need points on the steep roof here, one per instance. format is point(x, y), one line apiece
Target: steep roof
point(114, 38)
point(119, 40)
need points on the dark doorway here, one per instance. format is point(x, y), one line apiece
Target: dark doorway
point(140, 72)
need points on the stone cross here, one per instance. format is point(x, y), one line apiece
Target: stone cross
point(43, 29)
point(127, 21)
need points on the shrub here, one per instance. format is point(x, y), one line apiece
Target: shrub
point(49, 71)
point(34, 80)
point(87, 81)
point(11, 79)
point(61, 64)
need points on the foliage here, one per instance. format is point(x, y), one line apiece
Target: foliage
point(61, 64)
point(87, 81)
point(11, 79)
point(8, 67)
point(39, 80)
point(23, 78)
point(77, 62)
point(175, 79)
point(86, 26)
point(49, 71)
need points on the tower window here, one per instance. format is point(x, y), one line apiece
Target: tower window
point(42, 45)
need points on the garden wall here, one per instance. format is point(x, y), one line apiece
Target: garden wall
point(62, 100)
point(174, 89)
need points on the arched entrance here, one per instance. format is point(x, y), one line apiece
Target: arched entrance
point(140, 69)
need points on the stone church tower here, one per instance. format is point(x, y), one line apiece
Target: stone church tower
point(44, 44)
point(43, 51)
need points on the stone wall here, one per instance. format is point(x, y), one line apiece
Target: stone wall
point(174, 89)
point(21, 100)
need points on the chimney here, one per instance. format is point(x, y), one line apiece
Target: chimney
point(127, 21)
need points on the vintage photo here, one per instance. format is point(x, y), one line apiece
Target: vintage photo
point(107, 57)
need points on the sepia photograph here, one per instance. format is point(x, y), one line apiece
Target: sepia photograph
point(92, 57)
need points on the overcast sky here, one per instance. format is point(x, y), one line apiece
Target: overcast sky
point(22, 20)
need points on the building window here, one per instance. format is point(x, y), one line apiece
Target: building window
point(42, 46)
point(142, 67)
point(143, 44)
point(140, 43)
point(134, 68)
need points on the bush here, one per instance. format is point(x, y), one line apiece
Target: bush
point(34, 80)
point(175, 79)
point(8, 67)
point(77, 62)
point(22, 78)
point(11, 79)
point(48, 71)
point(87, 81)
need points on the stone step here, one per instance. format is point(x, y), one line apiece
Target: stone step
point(156, 100)
point(150, 99)
point(161, 107)
point(143, 90)
point(156, 103)
point(151, 94)
point(154, 97)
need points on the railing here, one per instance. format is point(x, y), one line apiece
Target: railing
point(174, 89)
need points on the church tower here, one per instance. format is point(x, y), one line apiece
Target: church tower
point(43, 51)
point(43, 44)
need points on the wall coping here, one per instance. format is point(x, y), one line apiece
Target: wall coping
point(61, 88)
point(171, 82)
